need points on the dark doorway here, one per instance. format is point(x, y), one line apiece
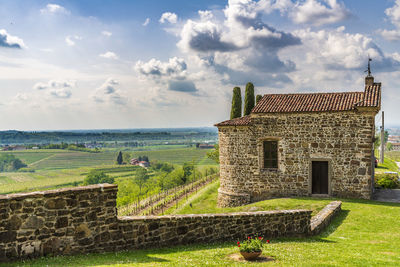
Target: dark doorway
point(320, 177)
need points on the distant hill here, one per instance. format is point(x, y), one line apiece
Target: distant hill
point(81, 136)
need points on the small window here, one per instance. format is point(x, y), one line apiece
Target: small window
point(270, 154)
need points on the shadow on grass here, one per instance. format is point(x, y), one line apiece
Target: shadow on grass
point(129, 258)
point(335, 223)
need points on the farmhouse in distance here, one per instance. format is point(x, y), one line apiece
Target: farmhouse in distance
point(316, 144)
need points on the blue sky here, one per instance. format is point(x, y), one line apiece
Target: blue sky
point(134, 64)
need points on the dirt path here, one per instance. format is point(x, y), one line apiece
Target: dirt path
point(34, 163)
point(387, 195)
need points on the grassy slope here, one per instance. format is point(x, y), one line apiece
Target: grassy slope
point(206, 202)
point(364, 233)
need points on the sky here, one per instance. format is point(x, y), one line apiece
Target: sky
point(155, 63)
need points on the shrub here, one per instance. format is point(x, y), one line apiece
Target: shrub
point(252, 244)
point(387, 180)
point(26, 170)
point(97, 177)
point(9, 163)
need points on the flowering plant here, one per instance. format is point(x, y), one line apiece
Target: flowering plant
point(254, 244)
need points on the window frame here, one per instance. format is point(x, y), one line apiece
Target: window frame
point(262, 153)
point(270, 147)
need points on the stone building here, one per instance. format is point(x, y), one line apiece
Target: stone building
point(300, 145)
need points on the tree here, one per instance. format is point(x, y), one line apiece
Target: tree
point(126, 156)
point(214, 155)
point(188, 168)
point(119, 158)
point(389, 146)
point(248, 99)
point(97, 177)
point(145, 158)
point(236, 110)
point(258, 98)
point(141, 178)
point(377, 141)
point(9, 163)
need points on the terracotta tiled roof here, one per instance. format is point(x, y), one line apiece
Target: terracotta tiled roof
point(236, 122)
point(319, 101)
point(372, 96)
point(314, 102)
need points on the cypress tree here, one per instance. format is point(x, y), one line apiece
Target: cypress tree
point(236, 110)
point(258, 98)
point(119, 158)
point(248, 99)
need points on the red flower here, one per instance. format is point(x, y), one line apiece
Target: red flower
point(248, 237)
point(238, 242)
point(239, 246)
point(267, 241)
point(260, 237)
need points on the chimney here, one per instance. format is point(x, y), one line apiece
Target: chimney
point(369, 80)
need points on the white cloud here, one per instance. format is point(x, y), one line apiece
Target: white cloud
point(106, 33)
point(336, 49)
point(146, 22)
point(56, 88)
point(319, 12)
point(109, 55)
point(70, 40)
point(242, 47)
point(54, 84)
point(393, 14)
point(203, 36)
point(169, 17)
point(174, 67)
point(61, 93)
point(107, 93)
point(7, 40)
point(54, 8)
point(205, 14)
point(21, 97)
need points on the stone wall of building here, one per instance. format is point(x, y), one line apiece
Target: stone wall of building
point(84, 219)
point(344, 139)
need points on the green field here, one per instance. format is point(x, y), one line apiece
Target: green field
point(62, 168)
point(178, 156)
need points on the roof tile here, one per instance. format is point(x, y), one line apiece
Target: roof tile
point(315, 102)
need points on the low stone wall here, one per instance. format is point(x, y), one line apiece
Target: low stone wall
point(84, 219)
point(65, 221)
point(151, 231)
point(325, 216)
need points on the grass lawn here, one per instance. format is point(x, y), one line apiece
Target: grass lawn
point(366, 233)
